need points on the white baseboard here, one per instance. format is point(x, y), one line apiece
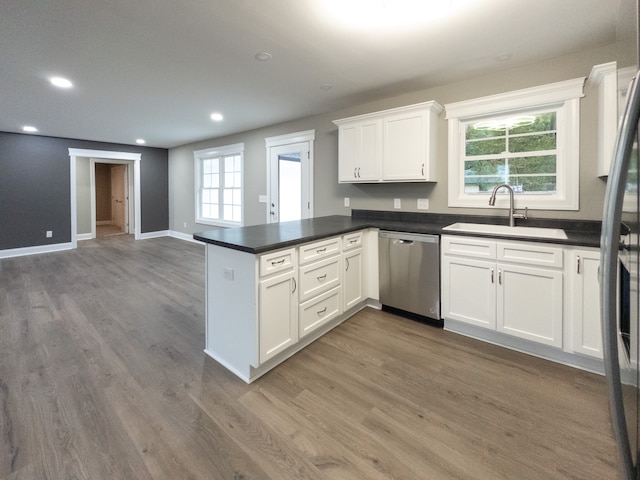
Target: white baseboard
point(156, 234)
point(19, 252)
point(184, 236)
point(84, 236)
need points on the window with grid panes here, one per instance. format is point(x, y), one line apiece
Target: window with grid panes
point(528, 139)
point(219, 185)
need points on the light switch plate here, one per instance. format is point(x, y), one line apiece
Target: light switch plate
point(423, 204)
point(397, 203)
point(347, 202)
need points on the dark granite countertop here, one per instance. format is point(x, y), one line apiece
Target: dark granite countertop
point(263, 238)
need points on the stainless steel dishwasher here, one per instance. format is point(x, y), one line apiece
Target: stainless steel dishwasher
point(410, 272)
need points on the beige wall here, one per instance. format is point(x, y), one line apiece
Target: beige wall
point(329, 195)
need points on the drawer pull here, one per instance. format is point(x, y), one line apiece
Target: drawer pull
point(500, 276)
point(321, 250)
point(295, 285)
point(347, 260)
point(321, 278)
point(353, 240)
point(492, 278)
point(578, 262)
point(278, 262)
point(321, 312)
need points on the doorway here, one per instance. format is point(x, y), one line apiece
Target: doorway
point(111, 199)
point(105, 156)
point(290, 177)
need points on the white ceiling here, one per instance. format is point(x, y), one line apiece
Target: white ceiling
point(157, 69)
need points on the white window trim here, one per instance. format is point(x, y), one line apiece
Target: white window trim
point(565, 95)
point(198, 155)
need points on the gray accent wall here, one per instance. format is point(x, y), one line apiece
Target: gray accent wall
point(35, 190)
point(329, 194)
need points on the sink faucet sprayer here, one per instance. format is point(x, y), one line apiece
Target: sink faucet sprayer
point(512, 216)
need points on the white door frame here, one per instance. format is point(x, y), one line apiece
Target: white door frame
point(290, 139)
point(130, 212)
point(102, 155)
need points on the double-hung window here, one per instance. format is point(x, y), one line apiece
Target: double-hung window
point(218, 183)
point(528, 139)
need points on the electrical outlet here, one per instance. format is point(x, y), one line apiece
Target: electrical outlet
point(49, 233)
point(227, 273)
point(423, 204)
point(397, 203)
point(346, 201)
point(185, 224)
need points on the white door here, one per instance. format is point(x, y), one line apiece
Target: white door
point(290, 182)
point(119, 196)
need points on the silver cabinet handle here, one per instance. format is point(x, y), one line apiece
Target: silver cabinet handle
point(355, 172)
point(578, 264)
point(277, 262)
point(423, 169)
point(492, 277)
point(295, 285)
point(321, 312)
point(321, 250)
point(500, 276)
point(322, 277)
point(346, 260)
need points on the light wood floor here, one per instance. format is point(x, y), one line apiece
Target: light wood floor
point(102, 376)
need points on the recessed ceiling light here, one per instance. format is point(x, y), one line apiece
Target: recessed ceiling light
point(263, 56)
point(216, 117)
point(140, 141)
point(61, 82)
point(29, 128)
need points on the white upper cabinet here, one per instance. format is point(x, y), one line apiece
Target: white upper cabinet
point(612, 84)
point(397, 145)
point(359, 146)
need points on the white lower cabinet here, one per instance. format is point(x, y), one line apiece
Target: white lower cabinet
point(530, 303)
point(584, 302)
point(278, 314)
point(512, 287)
point(468, 290)
point(319, 310)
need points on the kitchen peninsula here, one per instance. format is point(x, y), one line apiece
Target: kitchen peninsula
point(273, 289)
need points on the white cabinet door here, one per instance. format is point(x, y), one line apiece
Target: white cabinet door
point(469, 291)
point(530, 303)
point(405, 147)
point(359, 151)
point(585, 302)
point(352, 278)
point(278, 315)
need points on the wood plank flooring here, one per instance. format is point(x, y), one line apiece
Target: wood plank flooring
point(102, 376)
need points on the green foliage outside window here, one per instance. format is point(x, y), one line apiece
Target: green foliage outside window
point(519, 150)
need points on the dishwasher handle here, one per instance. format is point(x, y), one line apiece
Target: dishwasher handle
point(400, 241)
point(409, 238)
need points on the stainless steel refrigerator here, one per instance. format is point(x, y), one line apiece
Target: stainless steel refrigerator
point(619, 279)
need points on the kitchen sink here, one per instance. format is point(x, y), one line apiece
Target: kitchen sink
point(490, 229)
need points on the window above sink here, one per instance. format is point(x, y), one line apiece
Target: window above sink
point(528, 139)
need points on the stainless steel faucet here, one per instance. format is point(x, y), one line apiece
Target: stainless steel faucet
point(512, 215)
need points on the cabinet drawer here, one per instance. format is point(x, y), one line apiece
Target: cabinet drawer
point(319, 277)
point(468, 246)
point(530, 253)
point(318, 311)
point(279, 261)
point(352, 240)
point(317, 250)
